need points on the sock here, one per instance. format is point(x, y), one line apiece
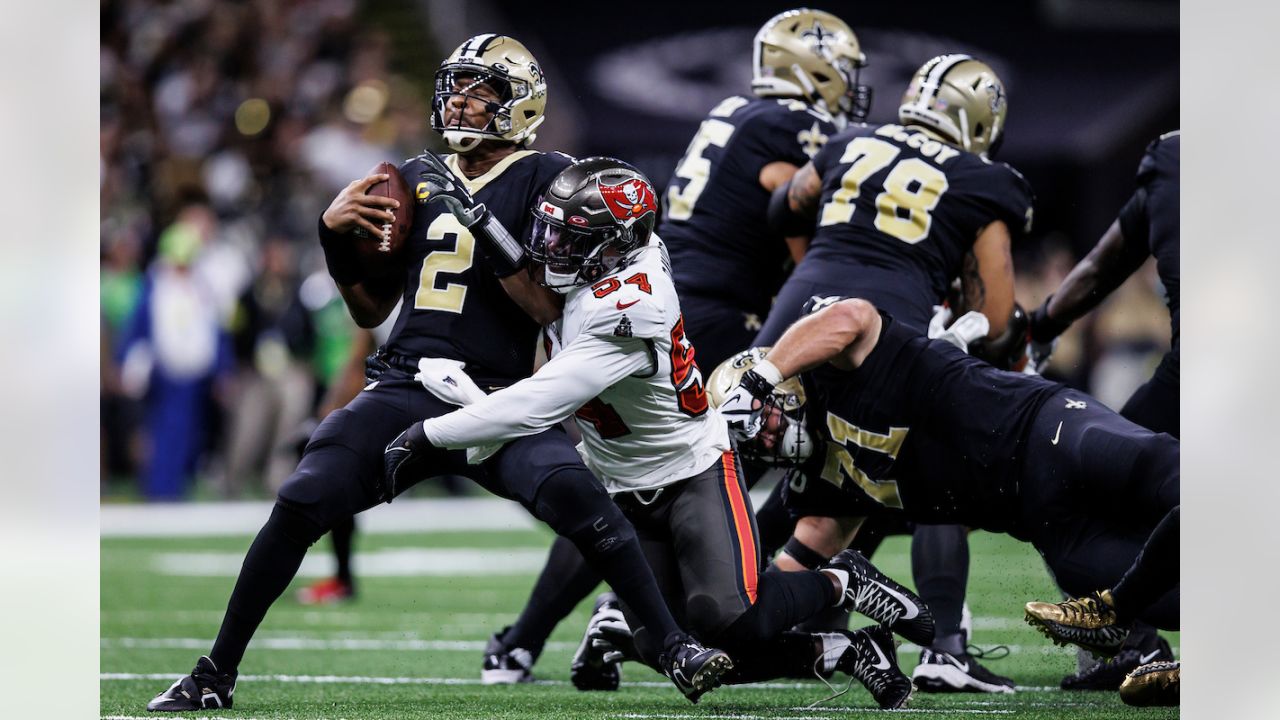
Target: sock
point(782, 600)
point(565, 581)
point(268, 568)
point(342, 535)
point(1153, 573)
point(789, 655)
point(940, 565)
point(842, 576)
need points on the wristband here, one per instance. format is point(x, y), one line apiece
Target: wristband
point(340, 256)
point(761, 379)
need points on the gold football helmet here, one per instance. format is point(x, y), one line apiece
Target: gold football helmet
point(507, 68)
point(814, 55)
point(794, 445)
point(960, 98)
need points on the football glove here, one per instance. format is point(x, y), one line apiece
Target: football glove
point(971, 326)
point(404, 462)
point(375, 365)
point(505, 253)
point(611, 635)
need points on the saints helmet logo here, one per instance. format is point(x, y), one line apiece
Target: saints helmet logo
point(818, 33)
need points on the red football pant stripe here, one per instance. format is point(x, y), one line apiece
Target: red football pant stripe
point(742, 525)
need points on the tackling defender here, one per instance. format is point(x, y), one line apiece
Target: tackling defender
point(620, 358)
point(489, 102)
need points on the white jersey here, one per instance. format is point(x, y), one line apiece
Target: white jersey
point(618, 357)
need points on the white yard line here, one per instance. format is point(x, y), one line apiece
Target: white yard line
point(387, 562)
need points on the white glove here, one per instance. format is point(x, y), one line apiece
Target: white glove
point(609, 632)
point(447, 380)
point(938, 323)
point(743, 414)
point(971, 326)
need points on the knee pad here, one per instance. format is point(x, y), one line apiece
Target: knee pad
point(574, 504)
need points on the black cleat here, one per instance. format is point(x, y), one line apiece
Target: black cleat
point(1109, 674)
point(1089, 622)
point(590, 670)
point(942, 672)
point(504, 665)
point(875, 595)
point(204, 689)
point(695, 670)
point(872, 658)
point(1153, 684)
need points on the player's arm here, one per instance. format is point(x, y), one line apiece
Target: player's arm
point(842, 333)
point(986, 279)
point(1106, 266)
point(579, 372)
point(368, 300)
point(793, 206)
point(773, 176)
point(541, 304)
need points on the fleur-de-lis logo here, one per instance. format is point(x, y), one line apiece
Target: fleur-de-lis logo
point(818, 33)
point(811, 140)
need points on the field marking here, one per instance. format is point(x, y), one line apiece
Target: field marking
point(828, 713)
point(389, 562)
point(296, 643)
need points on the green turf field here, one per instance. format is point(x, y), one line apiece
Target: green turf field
point(409, 646)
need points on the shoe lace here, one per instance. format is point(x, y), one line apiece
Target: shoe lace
point(995, 652)
point(834, 692)
point(1078, 609)
point(869, 601)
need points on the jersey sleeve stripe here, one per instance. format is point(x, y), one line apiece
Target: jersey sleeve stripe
point(744, 527)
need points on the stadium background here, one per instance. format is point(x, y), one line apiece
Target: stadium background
point(240, 121)
point(235, 123)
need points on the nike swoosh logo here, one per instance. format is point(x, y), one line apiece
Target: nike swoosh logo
point(912, 609)
point(1054, 441)
point(624, 306)
point(884, 661)
point(1144, 659)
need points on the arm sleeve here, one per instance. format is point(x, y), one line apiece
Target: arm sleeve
point(584, 369)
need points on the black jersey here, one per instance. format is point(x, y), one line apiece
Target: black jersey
point(1149, 221)
point(924, 427)
point(895, 199)
point(714, 222)
point(454, 305)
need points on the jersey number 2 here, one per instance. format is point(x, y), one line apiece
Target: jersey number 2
point(450, 297)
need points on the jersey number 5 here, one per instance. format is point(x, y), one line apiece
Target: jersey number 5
point(912, 190)
point(691, 396)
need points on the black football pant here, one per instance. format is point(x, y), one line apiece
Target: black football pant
point(1093, 489)
point(699, 536)
point(1154, 405)
point(717, 329)
point(339, 475)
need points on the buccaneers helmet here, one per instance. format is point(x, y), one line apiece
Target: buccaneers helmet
point(960, 98)
point(814, 55)
point(597, 214)
point(786, 407)
point(507, 68)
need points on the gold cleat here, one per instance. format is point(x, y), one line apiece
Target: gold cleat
point(1153, 684)
point(1089, 622)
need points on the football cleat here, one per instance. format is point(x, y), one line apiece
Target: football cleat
point(943, 672)
point(590, 670)
point(505, 665)
point(204, 689)
point(325, 592)
point(1153, 684)
point(872, 658)
point(695, 670)
point(872, 593)
point(1089, 622)
point(1110, 674)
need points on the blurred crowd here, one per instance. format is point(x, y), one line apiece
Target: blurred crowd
point(226, 128)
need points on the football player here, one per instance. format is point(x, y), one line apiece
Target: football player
point(727, 263)
point(1147, 226)
point(457, 286)
point(901, 210)
point(621, 365)
point(915, 424)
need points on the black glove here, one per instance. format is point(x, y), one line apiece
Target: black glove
point(505, 254)
point(405, 461)
point(374, 365)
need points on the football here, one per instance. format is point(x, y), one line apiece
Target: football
point(381, 254)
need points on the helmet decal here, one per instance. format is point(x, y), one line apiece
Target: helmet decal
point(628, 200)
